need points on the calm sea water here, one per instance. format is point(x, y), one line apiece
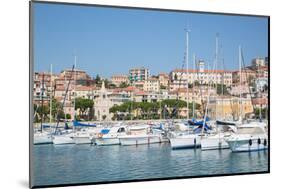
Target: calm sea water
point(84, 163)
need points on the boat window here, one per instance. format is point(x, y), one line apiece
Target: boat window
point(120, 130)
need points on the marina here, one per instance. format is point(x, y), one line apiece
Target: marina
point(178, 105)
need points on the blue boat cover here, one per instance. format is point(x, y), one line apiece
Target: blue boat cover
point(78, 124)
point(199, 128)
point(197, 123)
point(46, 126)
point(160, 127)
point(104, 131)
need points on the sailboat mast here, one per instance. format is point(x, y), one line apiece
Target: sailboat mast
point(186, 59)
point(51, 85)
point(75, 68)
point(64, 99)
point(240, 70)
point(42, 102)
point(74, 94)
point(193, 80)
point(207, 104)
point(260, 96)
point(222, 103)
point(216, 65)
point(65, 87)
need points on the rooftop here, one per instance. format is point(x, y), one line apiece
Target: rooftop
point(197, 71)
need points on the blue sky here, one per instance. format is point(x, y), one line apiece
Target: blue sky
point(112, 40)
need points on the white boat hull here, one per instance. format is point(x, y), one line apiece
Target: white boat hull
point(139, 140)
point(42, 139)
point(82, 140)
point(60, 139)
point(107, 141)
point(213, 143)
point(243, 145)
point(188, 141)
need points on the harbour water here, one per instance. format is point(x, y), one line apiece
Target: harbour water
point(69, 164)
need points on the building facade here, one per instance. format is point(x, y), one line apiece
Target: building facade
point(118, 79)
point(245, 74)
point(102, 104)
point(163, 80)
point(179, 78)
point(152, 84)
point(138, 74)
point(257, 62)
point(228, 108)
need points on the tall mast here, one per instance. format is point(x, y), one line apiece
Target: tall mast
point(75, 68)
point(193, 103)
point(42, 102)
point(207, 104)
point(51, 85)
point(65, 87)
point(64, 99)
point(186, 59)
point(260, 95)
point(223, 74)
point(216, 66)
point(240, 71)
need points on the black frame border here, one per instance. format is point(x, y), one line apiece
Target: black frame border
point(31, 71)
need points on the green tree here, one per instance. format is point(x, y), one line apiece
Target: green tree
point(56, 108)
point(111, 86)
point(68, 116)
point(98, 81)
point(251, 81)
point(163, 87)
point(176, 77)
point(83, 104)
point(196, 83)
point(149, 110)
point(106, 83)
point(263, 112)
point(222, 89)
point(104, 117)
point(43, 112)
point(123, 85)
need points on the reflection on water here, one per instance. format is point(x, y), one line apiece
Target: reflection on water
point(84, 163)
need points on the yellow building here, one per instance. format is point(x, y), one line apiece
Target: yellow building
point(229, 107)
point(151, 84)
point(118, 79)
point(163, 79)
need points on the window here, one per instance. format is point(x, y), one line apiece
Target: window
point(120, 130)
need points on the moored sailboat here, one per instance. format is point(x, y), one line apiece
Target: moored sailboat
point(42, 137)
point(65, 137)
point(138, 135)
point(250, 136)
point(82, 135)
